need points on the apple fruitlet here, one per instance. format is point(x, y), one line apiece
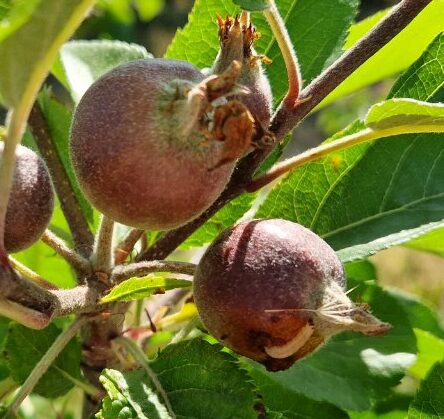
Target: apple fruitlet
point(274, 291)
point(31, 201)
point(148, 141)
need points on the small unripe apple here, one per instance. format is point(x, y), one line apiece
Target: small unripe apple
point(148, 141)
point(274, 291)
point(31, 201)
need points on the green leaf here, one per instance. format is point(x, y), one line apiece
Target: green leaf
point(361, 270)
point(83, 62)
point(58, 120)
point(280, 402)
point(396, 112)
point(429, 400)
point(223, 219)
point(148, 10)
point(27, 54)
point(25, 347)
point(352, 370)
point(253, 5)
point(421, 315)
point(139, 288)
point(4, 324)
point(130, 397)
point(199, 380)
point(15, 14)
point(397, 55)
point(432, 242)
point(430, 351)
point(373, 195)
point(395, 406)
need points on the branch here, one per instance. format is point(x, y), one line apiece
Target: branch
point(125, 247)
point(78, 262)
point(286, 118)
point(122, 273)
point(82, 236)
point(45, 362)
point(24, 301)
point(35, 307)
point(78, 300)
point(348, 141)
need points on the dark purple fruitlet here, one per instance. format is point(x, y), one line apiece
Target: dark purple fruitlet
point(237, 37)
point(154, 142)
point(31, 201)
point(274, 291)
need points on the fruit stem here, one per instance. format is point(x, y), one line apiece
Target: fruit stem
point(348, 141)
point(140, 357)
point(45, 362)
point(280, 32)
point(125, 247)
point(102, 255)
point(122, 273)
point(81, 265)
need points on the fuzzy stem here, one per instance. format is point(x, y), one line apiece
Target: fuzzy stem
point(78, 262)
point(348, 141)
point(125, 247)
point(280, 32)
point(44, 364)
point(102, 255)
point(31, 275)
point(286, 118)
point(82, 236)
point(78, 300)
point(121, 273)
point(140, 358)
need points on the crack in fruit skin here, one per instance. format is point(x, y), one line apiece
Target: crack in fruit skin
point(274, 291)
point(31, 202)
point(129, 156)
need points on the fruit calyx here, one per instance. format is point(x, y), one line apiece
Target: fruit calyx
point(237, 37)
point(337, 313)
point(206, 112)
